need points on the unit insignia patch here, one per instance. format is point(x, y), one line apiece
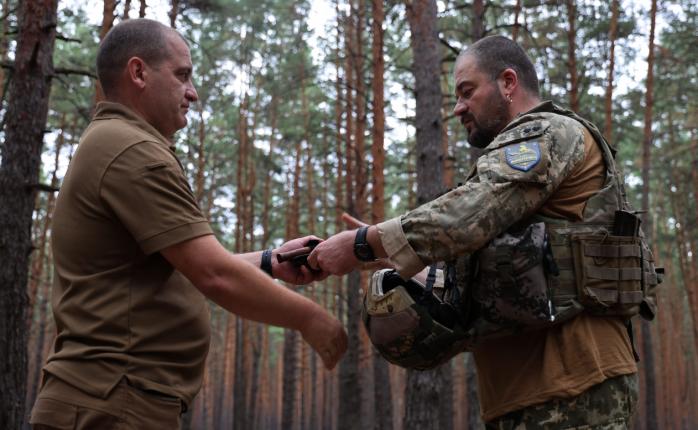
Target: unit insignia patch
point(523, 156)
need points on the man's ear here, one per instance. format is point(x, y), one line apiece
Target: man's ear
point(136, 70)
point(508, 81)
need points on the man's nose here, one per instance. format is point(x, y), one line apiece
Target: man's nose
point(460, 108)
point(191, 93)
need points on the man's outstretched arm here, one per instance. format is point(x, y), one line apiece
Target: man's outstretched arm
point(243, 289)
point(287, 271)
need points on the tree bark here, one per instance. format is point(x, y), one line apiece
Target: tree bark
point(428, 388)
point(647, 350)
point(127, 10)
point(108, 15)
point(477, 33)
point(571, 55)
point(19, 175)
point(517, 12)
point(349, 388)
point(39, 284)
point(612, 34)
point(4, 43)
point(174, 10)
point(382, 398)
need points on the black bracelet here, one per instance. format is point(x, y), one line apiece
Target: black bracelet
point(266, 262)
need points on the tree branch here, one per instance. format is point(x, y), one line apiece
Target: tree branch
point(43, 187)
point(66, 71)
point(67, 39)
point(451, 48)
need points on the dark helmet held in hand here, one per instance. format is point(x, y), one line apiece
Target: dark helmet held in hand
point(409, 324)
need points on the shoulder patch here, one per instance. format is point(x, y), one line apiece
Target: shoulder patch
point(523, 156)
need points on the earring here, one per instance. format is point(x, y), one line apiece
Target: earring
point(509, 98)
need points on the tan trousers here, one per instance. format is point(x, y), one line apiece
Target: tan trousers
point(60, 406)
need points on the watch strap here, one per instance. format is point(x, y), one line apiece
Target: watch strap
point(265, 264)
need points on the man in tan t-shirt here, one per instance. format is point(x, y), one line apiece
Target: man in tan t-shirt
point(538, 161)
point(135, 258)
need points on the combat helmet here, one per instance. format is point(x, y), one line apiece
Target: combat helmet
point(409, 324)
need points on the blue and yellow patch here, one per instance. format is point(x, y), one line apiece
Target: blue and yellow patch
point(523, 156)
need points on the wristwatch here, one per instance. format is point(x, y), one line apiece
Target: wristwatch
point(362, 250)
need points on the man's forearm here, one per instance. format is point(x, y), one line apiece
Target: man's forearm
point(241, 286)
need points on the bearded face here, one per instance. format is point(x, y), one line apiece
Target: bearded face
point(480, 105)
point(492, 118)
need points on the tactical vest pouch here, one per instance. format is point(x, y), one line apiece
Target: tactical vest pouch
point(609, 273)
point(511, 286)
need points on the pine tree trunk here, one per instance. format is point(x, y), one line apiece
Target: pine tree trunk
point(349, 388)
point(39, 284)
point(428, 388)
point(515, 29)
point(612, 34)
point(141, 10)
point(4, 43)
point(477, 32)
point(571, 55)
point(108, 15)
point(127, 10)
point(25, 120)
point(647, 350)
point(174, 10)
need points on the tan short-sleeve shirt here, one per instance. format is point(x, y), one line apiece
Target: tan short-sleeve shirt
point(121, 310)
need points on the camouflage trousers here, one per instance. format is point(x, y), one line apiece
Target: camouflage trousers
point(609, 405)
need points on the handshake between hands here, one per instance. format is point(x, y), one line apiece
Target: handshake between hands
point(308, 259)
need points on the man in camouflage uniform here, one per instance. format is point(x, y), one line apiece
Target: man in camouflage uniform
point(537, 161)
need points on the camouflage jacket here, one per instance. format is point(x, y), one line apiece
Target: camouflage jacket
point(518, 172)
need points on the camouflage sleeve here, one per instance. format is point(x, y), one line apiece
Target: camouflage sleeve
point(521, 169)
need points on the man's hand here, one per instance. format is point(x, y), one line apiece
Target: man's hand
point(336, 254)
point(381, 263)
point(326, 336)
point(291, 273)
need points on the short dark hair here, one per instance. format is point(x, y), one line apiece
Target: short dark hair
point(143, 38)
point(494, 54)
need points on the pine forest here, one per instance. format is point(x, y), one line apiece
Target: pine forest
point(312, 108)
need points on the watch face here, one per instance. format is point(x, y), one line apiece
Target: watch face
point(362, 249)
point(363, 252)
